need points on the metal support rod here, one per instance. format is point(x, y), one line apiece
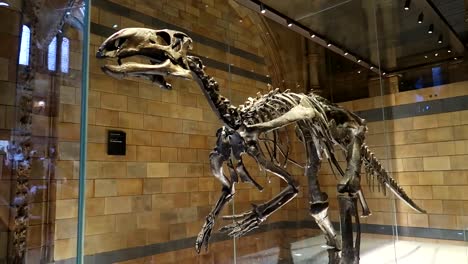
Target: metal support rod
point(83, 134)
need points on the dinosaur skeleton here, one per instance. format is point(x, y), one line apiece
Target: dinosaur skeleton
point(319, 124)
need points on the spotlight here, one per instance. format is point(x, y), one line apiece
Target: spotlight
point(431, 29)
point(346, 53)
point(312, 35)
point(262, 9)
point(440, 39)
point(359, 71)
point(449, 51)
point(289, 23)
point(425, 57)
point(420, 18)
point(68, 13)
point(455, 58)
point(329, 45)
point(371, 67)
point(407, 5)
point(115, 26)
point(437, 54)
point(358, 61)
point(384, 73)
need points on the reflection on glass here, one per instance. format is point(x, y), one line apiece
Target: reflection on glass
point(25, 46)
point(52, 55)
point(65, 55)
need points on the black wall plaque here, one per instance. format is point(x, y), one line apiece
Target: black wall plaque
point(116, 142)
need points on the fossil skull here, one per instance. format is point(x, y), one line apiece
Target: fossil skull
point(165, 50)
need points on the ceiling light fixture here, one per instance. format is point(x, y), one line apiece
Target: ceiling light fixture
point(262, 9)
point(312, 35)
point(371, 67)
point(115, 26)
point(346, 53)
point(431, 29)
point(421, 18)
point(455, 58)
point(425, 57)
point(440, 39)
point(449, 51)
point(289, 23)
point(407, 5)
point(358, 61)
point(358, 71)
point(437, 54)
point(329, 45)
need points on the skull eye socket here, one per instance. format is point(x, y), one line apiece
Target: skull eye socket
point(164, 38)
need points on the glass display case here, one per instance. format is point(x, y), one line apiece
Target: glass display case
point(109, 158)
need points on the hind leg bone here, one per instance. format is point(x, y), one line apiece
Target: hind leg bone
point(319, 200)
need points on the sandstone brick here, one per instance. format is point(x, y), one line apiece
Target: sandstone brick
point(118, 205)
point(141, 203)
point(141, 137)
point(436, 163)
point(149, 154)
point(149, 91)
point(103, 224)
point(105, 188)
point(66, 209)
point(169, 154)
point(158, 170)
point(106, 117)
point(65, 248)
point(126, 223)
point(418, 220)
point(136, 169)
point(152, 186)
point(130, 120)
point(114, 170)
point(129, 186)
point(113, 102)
point(95, 206)
point(65, 228)
point(442, 221)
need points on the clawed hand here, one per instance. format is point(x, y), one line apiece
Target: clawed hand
point(243, 223)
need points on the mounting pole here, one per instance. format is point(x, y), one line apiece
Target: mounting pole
point(83, 134)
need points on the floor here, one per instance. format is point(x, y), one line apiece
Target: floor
point(307, 246)
point(374, 249)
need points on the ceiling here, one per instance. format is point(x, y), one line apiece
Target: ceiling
point(382, 32)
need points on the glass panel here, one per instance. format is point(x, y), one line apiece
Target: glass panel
point(39, 132)
point(422, 49)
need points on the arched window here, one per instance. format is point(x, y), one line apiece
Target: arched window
point(65, 55)
point(52, 55)
point(25, 46)
point(58, 54)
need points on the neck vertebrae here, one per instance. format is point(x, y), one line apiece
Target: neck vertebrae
point(228, 113)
